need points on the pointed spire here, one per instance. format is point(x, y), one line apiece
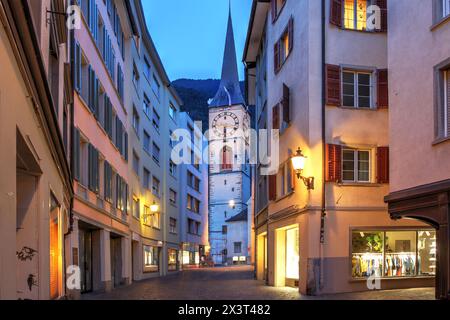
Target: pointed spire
point(229, 92)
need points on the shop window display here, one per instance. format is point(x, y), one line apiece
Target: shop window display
point(292, 254)
point(393, 253)
point(426, 253)
point(400, 254)
point(367, 258)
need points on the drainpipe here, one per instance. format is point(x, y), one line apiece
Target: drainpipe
point(323, 211)
point(71, 42)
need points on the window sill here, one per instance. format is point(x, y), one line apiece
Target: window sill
point(363, 31)
point(360, 109)
point(440, 23)
point(360, 184)
point(354, 280)
point(285, 196)
point(440, 140)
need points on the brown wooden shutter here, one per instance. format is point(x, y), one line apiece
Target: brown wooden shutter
point(336, 13)
point(384, 14)
point(334, 161)
point(383, 89)
point(276, 56)
point(333, 85)
point(276, 117)
point(273, 187)
point(273, 5)
point(286, 104)
point(291, 34)
point(383, 165)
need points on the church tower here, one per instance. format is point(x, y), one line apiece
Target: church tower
point(229, 173)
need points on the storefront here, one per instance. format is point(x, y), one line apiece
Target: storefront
point(287, 262)
point(393, 253)
point(151, 258)
point(190, 255)
point(173, 263)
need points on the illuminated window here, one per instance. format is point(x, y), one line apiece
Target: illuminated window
point(355, 14)
point(394, 253)
point(151, 258)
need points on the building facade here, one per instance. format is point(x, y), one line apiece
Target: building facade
point(420, 184)
point(100, 242)
point(326, 228)
point(229, 170)
point(36, 191)
point(193, 202)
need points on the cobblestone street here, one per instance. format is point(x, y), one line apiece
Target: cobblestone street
point(234, 283)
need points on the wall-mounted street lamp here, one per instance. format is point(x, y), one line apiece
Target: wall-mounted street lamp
point(298, 163)
point(154, 208)
point(232, 204)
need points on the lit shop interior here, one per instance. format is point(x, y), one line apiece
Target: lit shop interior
point(393, 253)
point(287, 257)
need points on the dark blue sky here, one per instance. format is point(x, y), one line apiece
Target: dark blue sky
point(190, 34)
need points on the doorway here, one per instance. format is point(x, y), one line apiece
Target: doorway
point(116, 261)
point(86, 260)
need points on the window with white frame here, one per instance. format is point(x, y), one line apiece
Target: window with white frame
point(445, 8)
point(156, 220)
point(151, 257)
point(357, 89)
point(156, 86)
point(173, 226)
point(172, 168)
point(136, 207)
point(156, 120)
point(356, 165)
point(172, 196)
point(172, 111)
point(146, 142)
point(446, 104)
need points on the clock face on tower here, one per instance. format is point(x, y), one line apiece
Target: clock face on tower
point(225, 124)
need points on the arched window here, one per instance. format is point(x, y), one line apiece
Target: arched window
point(227, 158)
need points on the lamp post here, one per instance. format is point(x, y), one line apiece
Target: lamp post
point(298, 163)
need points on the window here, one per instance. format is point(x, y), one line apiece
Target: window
point(135, 163)
point(173, 259)
point(285, 178)
point(156, 152)
point(135, 120)
point(237, 247)
point(151, 258)
point(156, 220)
point(156, 120)
point(146, 179)
point(136, 208)
point(355, 14)
point(227, 159)
point(146, 142)
point(447, 103)
point(445, 8)
point(172, 168)
point(173, 226)
point(394, 253)
point(193, 204)
point(135, 76)
point(156, 86)
point(172, 111)
point(156, 185)
point(277, 6)
point(172, 196)
point(444, 105)
point(357, 89)
point(224, 229)
point(355, 165)
point(147, 69)
point(284, 46)
point(193, 227)
point(146, 106)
